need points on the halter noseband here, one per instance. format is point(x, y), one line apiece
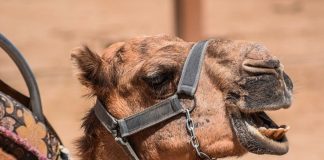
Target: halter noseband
point(162, 111)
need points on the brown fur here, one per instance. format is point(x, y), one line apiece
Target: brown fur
point(119, 76)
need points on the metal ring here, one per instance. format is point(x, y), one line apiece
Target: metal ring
point(192, 105)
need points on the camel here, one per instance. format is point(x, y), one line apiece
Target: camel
point(239, 81)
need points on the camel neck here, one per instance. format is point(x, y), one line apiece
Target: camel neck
point(97, 143)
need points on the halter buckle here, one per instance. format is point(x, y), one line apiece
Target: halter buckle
point(184, 100)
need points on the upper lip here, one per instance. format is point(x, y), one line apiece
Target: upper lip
point(253, 66)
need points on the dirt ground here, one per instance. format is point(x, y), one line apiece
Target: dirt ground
point(46, 31)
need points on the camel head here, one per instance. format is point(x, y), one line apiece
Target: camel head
point(239, 81)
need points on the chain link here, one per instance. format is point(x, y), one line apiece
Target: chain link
point(193, 138)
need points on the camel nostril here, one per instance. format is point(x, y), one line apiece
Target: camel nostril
point(261, 66)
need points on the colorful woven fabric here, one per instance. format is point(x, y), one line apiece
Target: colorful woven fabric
point(21, 135)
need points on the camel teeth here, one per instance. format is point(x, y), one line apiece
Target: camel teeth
point(274, 133)
point(270, 132)
point(285, 127)
point(281, 136)
point(262, 128)
point(278, 133)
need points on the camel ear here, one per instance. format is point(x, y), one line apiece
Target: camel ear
point(91, 66)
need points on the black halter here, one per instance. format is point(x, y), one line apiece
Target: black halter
point(160, 112)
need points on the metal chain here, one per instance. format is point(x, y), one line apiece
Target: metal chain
point(193, 138)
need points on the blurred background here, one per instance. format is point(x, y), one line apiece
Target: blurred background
point(46, 31)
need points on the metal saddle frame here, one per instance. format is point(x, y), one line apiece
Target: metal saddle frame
point(26, 105)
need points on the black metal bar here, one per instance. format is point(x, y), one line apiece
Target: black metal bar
point(16, 56)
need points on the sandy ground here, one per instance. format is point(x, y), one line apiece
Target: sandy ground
point(46, 31)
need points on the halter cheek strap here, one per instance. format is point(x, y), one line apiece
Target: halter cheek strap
point(121, 129)
point(191, 70)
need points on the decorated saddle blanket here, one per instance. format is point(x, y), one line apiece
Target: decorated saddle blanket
point(21, 135)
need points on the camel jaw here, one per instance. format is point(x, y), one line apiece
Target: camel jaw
point(258, 134)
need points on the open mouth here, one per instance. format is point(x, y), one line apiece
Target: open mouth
point(258, 133)
point(267, 128)
point(269, 88)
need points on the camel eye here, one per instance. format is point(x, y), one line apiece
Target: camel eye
point(157, 81)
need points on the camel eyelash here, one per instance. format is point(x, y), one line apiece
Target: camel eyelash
point(158, 80)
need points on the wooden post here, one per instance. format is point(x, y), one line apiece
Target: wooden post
point(188, 19)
